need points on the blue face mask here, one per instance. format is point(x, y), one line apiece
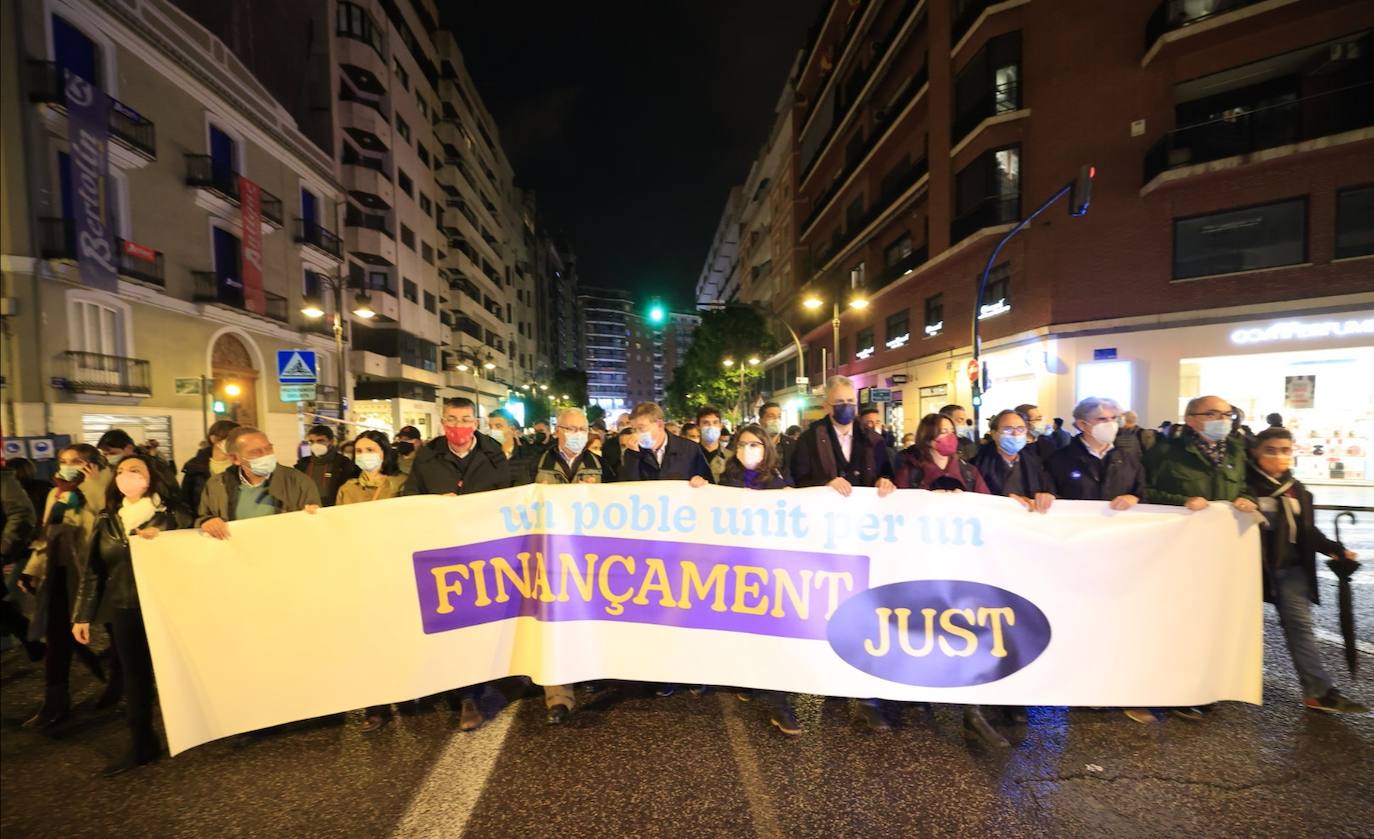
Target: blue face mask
point(710, 434)
point(575, 441)
point(646, 440)
point(1216, 430)
point(844, 413)
point(1011, 443)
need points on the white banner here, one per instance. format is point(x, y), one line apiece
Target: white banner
point(958, 598)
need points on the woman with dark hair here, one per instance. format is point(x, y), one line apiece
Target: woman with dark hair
point(933, 461)
point(210, 461)
point(754, 465)
point(54, 570)
point(139, 502)
point(379, 477)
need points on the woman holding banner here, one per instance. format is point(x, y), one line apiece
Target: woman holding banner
point(139, 502)
point(756, 465)
point(933, 463)
point(379, 477)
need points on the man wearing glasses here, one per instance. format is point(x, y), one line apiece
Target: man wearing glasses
point(256, 488)
point(461, 462)
point(1204, 463)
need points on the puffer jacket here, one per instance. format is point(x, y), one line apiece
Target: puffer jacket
point(1176, 470)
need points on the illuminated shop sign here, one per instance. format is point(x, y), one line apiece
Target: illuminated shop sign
point(994, 309)
point(899, 341)
point(1296, 330)
point(933, 329)
point(864, 353)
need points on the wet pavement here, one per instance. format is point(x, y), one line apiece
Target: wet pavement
point(637, 765)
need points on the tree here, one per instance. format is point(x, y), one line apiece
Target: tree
point(737, 333)
point(570, 383)
point(594, 413)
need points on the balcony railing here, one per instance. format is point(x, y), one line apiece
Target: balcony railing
point(1244, 130)
point(203, 172)
point(893, 187)
point(999, 99)
point(313, 234)
point(88, 372)
point(1170, 15)
point(131, 128)
point(57, 240)
point(966, 13)
point(901, 268)
point(207, 288)
point(990, 212)
point(353, 217)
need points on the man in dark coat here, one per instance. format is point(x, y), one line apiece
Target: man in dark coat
point(521, 456)
point(1290, 544)
point(325, 465)
point(968, 439)
point(770, 416)
point(661, 456)
point(1012, 468)
point(1092, 467)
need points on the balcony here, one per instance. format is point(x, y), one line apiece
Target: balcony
point(894, 186)
point(990, 212)
point(207, 288)
point(901, 268)
point(106, 375)
point(314, 235)
point(363, 54)
point(222, 182)
point(1172, 15)
point(1002, 98)
point(369, 185)
point(1241, 131)
point(57, 240)
point(136, 133)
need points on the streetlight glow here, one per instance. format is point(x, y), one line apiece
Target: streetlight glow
point(232, 389)
point(812, 302)
point(311, 308)
point(729, 362)
point(859, 302)
point(754, 360)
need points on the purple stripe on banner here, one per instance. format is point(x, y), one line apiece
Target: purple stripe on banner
point(88, 134)
point(553, 577)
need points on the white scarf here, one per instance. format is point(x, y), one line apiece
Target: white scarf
point(135, 514)
point(1292, 508)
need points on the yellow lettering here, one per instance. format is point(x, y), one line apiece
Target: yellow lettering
point(479, 581)
point(692, 582)
point(947, 624)
point(603, 583)
point(833, 579)
point(884, 639)
point(505, 571)
point(443, 588)
point(744, 588)
point(585, 584)
point(902, 630)
point(801, 601)
point(996, 616)
point(655, 579)
point(542, 590)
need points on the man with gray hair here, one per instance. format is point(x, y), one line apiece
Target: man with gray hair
point(254, 487)
point(1092, 467)
point(837, 453)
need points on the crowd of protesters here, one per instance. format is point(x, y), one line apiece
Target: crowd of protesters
point(66, 542)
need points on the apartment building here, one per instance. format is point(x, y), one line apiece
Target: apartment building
point(155, 295)
point(606, 325)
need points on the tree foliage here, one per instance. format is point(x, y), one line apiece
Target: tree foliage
point(735, 332)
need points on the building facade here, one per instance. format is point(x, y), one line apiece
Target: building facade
point(223, 214)
point(606, 324)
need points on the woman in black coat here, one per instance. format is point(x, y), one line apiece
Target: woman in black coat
point(211, 460)
point(136, 505)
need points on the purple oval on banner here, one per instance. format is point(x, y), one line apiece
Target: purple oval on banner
point(938, 633)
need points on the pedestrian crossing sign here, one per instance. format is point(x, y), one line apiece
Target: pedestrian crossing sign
point(296, 367)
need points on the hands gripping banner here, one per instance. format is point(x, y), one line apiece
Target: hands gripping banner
point(958, 598)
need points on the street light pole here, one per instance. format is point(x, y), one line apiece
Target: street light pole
point(835, 337)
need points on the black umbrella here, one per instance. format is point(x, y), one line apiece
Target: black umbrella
point(1343, 568)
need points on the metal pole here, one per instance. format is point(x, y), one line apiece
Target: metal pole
point(205, 404)
point(982, 287)
point(339, 362)
point(835, 328)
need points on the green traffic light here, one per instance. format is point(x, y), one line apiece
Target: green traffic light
point(657, 314)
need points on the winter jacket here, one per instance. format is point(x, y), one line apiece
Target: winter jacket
point(17, 517)
point(735, 475)
point(1079, 476)
point(329, 471)
point(817, 457)
point(438, 471)
point(292, 491)
point(914, 472)
point(107, 581)
point(1176, 470)
point(65, 544)
point(522, 460)
point(682, 461)
point(1024, 477)
point(1275, 535)
point(354, 492)
point(586, 468)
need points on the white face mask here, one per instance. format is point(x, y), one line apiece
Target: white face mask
point(773, 427)
point(319, 449)
point(368, 461)
point(575, 441)
point(1105, 432)
point(113, 458)
point(263, 466)
point(1216, 430)
point(497, 434)
point(750, 454)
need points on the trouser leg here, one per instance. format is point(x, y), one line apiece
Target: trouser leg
point(57, 664)
point(559, 695)
point(136, 662)
point(1295, 616)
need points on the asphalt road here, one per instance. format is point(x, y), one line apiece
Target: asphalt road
point(712, 766)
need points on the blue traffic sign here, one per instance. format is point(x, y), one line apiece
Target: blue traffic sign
point(297, 367)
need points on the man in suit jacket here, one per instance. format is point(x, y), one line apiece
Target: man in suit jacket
point(660, 456)
point(838, 452)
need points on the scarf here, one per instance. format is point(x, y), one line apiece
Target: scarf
point(1288, 500)
point(1215, 452)
point(135, 514)
point(69, 497)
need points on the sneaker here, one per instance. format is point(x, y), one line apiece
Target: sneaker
point(744, 696)
point(558, 714)
point(871, 718)
point(470, 717)
point(1332, 702)
point(698, 690)
point(977, 727)
point(1141, 715)
point(373, 722)
point(665, 690)
point(785, 720)
point(1191, 713)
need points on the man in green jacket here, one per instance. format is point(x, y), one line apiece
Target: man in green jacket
point(254, 487)
point(1205, 463)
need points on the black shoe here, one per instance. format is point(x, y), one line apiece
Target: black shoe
point(110, 696)
point(558, 714)
point(1191, 713)
point(132, 760)
point(35, 650)
point(871, 717)
point(978, 727)
point(56, 705)
point(785, 720)
point(1332, 702)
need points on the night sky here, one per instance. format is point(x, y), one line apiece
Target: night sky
point(631, 121)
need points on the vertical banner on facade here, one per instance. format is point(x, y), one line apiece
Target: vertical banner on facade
point(250, 209)
point(88, 134)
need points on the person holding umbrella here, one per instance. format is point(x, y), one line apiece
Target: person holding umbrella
point(1291, 542)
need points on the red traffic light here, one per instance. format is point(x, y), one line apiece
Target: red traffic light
point(1081, 195)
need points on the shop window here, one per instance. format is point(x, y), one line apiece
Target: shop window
point(997, 293)
point(410, 290)
point(935, 315)
point(898, 329)
point(1266, 236)
point(863, 344)
point(1355, 222)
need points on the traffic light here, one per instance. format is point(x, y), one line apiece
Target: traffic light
point(1082, 193)
point(658, 315)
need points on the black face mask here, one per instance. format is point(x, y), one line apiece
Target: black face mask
point(540, 436)
point(404, 448)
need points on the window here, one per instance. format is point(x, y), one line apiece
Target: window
point(75, 51)
point(425, 206)
point(935, 315)
point(423, 106)
point(863, 344)
point(987, 192)
point(406, 184)
point(898, 329)
point(354, 22)
point(1355, 222)
point(1241, 240)
point(402, 128)
point(423, 153)
point(410, 290)
point(897, 251)
point(427, 252)
point(997, 293)
point(310, 285)
point(989, 84)
point(854, 215)
point(430, 305)
point(98, 329)
point(408, 237)
point(401, 76)
point(856, 276)
point(380, 281)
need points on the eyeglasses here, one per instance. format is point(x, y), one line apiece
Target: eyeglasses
point(1215, 415)
point(1015, 432)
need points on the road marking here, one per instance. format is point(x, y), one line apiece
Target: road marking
point(1336, 640)
point(755, 791)
point(444, 800)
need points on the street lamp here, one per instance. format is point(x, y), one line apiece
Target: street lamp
point(814, 302)
point(313, 307)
